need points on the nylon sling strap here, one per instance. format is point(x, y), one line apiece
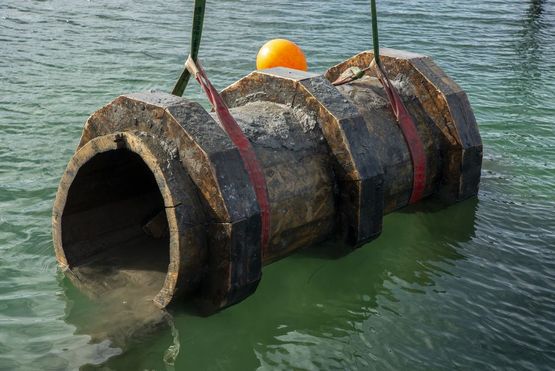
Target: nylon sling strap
point(226, 121)
point(408, 128)
point(406, 123)
point(241, 142)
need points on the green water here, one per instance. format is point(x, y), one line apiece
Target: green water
point(468, 287)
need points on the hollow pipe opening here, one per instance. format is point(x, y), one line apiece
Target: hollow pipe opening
point(112, 229)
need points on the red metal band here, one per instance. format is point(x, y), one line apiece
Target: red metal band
point(252, 166)
point(408, 127)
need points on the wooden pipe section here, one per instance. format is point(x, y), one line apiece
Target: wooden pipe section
point(157, 196)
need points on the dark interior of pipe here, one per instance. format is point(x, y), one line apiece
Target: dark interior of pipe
point(106, 239)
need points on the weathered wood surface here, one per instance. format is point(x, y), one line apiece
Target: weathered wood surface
point(448, 107)
point(99, 207)
point(357, 172)
point(154, 171)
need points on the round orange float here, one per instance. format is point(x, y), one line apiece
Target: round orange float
point(281, 53)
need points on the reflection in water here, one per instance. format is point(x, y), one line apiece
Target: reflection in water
point(173, 350)
point(529, 45)
point(368, 285)
point(116, 321)
point(324, 300)
point(530, 40)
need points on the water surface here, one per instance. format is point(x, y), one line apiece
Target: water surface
point(470, 287)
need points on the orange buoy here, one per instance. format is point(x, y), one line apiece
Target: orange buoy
point(281, 53)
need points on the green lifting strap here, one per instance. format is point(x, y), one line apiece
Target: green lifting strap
point(375, 32)
point(196, 34)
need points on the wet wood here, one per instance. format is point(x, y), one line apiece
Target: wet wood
point(447, 106)
point(340, 125)
point(154, 174)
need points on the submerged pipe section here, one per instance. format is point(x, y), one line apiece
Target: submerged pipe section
point(156, 198)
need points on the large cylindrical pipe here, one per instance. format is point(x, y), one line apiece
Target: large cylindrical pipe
point(157, 197)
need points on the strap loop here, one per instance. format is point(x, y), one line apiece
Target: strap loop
point(191, 66)
point(410, 133)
